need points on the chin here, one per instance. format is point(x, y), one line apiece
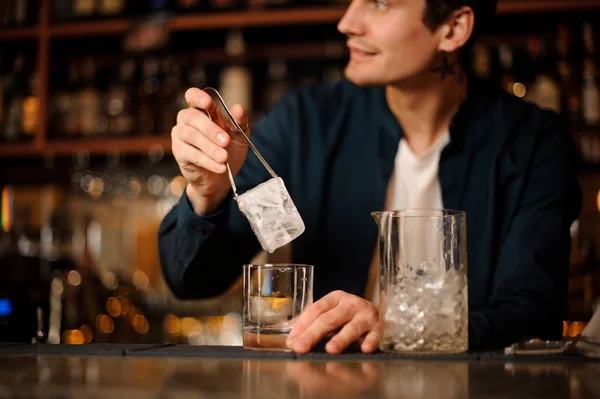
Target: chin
point(363, 79)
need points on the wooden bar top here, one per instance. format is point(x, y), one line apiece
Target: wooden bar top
point(115, 375)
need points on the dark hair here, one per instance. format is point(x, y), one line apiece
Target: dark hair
point(436, 12)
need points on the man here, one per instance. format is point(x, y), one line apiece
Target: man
point(407, 118)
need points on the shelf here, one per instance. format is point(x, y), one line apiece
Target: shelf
point(540, 6)
point(298, 16)
point(18, 34)
point(18, 149)
point(206, 21)
point(102, 146)
point(91, 28)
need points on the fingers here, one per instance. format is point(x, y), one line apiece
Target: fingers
point(202, 125)
point(323, 325)
point(197, 98)
point(191, 155)
point(348, 334)
point(370, 343)
point(240, 116)
point(311, 313)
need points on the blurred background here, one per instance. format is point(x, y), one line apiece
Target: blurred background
point(89, 91)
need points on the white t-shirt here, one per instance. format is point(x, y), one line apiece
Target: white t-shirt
point(414, 183)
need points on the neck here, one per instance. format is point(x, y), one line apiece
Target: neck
point(425, 106)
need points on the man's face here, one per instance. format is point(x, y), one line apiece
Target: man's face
point(388, 41)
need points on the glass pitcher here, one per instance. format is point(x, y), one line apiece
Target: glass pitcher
point(423, 293)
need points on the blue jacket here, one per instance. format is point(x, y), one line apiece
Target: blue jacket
point(509, 165)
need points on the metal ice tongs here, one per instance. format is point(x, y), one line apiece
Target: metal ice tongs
point(239, 131)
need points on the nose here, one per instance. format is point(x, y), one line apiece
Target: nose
point(352, 23)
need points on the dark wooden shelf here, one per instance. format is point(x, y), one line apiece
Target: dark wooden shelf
point(19, 34)
point(299, 16)
point(191, 22)
point(206, 21)
point(90, 28)
point(540, 6)
point(104, 145)
point(18, 149)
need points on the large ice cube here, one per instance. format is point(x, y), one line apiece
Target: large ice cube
point(272, 214)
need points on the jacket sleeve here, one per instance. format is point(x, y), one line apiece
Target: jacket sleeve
point(202, 256)
point(530, 281)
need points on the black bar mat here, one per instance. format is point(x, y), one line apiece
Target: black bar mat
point(377, 356)
point(63, 349)
point(567, 357)
point(231, 352)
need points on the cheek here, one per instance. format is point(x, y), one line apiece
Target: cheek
point(409, 49)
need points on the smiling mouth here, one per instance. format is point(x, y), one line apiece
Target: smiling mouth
point(358, 54)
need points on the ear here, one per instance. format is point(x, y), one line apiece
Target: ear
point(456, 31)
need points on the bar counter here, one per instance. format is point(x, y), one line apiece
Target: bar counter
point(174, 371)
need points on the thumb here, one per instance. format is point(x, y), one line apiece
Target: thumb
point(240, 116)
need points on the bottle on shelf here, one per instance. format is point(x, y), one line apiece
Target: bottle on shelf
point(147, 97)
point(259, 4)
point(235, 80)
point(69, 106)
point(188, 5)
point(482, 61)
point(93, 122)
point(224, 5)
point(22, 11)
point(83, 8)
point(62, 10)
point(31, 106)
point(14, 97)
point(111, 8)
point(591, 80)
point(1, 100)
point(159, 5)
point(570, 88)
point(167, 95)
point(17, 13)
point(508, 81)
point(119, 104)
point(544, 90)
point(278, 83)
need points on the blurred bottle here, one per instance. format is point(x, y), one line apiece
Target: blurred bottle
point(31, 106)
point(591, 81)
point(83, 8)
point(14, 97)
point(22, 11)
point(544, 90)
point(195, 77)
point(481, 61)
point(224, 5)
point(17, 13)
point(259, 4)
point(278, 83)
point(508, 80)
point(570, 88)
point(90, 102)
point(188, 5)
point(159, 5)
point(147, 97)
point(111, 8)
point(62, 10)
point(1, 100)
point(236, 79)
point(70, 105)
point(169, 90)
point(119, 104)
